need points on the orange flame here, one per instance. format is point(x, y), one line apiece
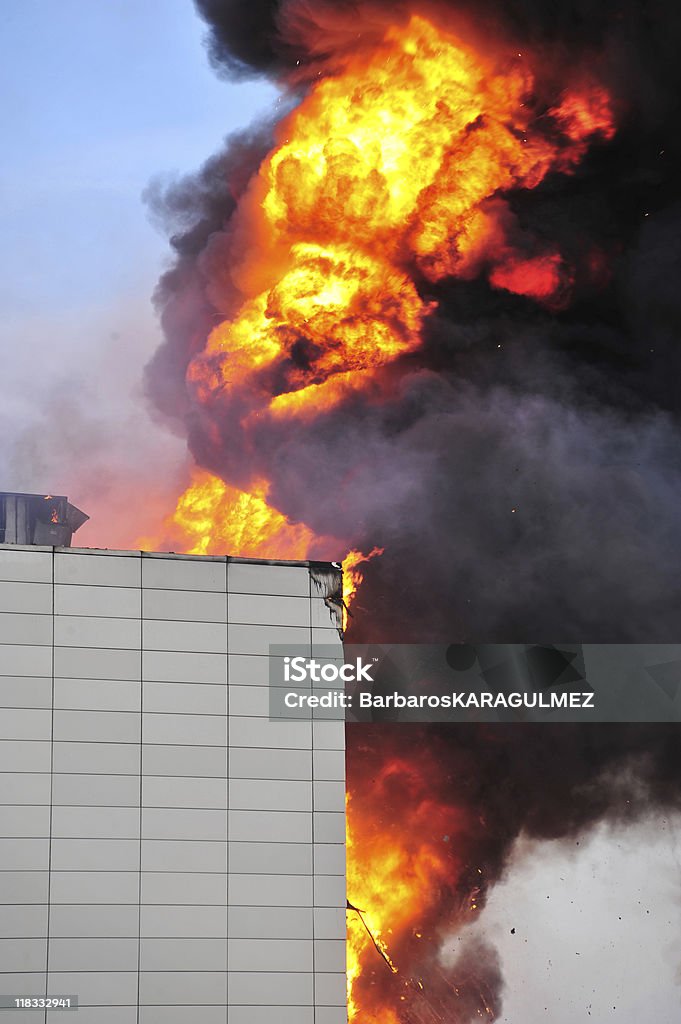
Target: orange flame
point(398, 160)
point(214, 518)
point(389, 171)
point(401, 851)
point(353, 576)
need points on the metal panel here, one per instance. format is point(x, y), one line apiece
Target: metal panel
point(238, 873)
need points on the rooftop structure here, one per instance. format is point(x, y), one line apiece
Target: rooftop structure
point(38, 519)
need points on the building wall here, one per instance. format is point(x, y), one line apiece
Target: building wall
point(167, 852)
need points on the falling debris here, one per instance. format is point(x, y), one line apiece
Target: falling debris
point(378, 945)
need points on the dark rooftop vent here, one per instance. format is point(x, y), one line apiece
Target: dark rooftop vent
point(48, 519)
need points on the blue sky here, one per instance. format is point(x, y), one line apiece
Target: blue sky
point(98, 100)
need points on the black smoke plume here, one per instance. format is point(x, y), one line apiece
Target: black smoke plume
point(525, 479)
point(525, 476)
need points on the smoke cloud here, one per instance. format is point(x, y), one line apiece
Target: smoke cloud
point(83, 430)
point(521, 469)
point(524, 475)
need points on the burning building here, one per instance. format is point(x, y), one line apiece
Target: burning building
point(421, 312)
point(167, 850)
point(433, 308)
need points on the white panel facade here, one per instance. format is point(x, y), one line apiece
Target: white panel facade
point(167, 851)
